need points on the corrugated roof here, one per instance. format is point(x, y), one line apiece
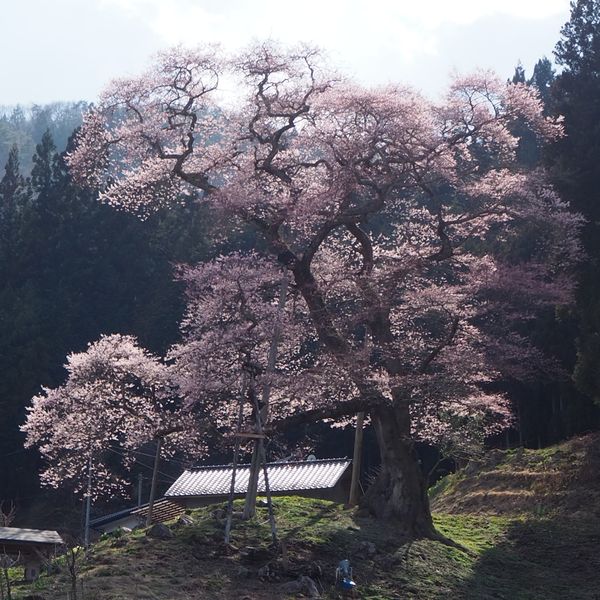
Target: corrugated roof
point(104, 519)
point(39, 536)
point(283, 477)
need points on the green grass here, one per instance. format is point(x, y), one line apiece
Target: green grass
point(509, 558)
point(542, 543)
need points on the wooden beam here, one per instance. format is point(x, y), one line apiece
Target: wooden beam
point(248, 434)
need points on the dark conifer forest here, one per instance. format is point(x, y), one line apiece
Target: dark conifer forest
point(72, 269)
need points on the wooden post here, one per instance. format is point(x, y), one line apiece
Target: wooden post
point(356, 460)
point(139, 491)
point(236, 454)
point(262, 454)
point(251, 492)
point(231, 492)
point(154, 482)
point(268, 493)
point(88, 505)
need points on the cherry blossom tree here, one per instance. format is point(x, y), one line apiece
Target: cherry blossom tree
point(117, 398)
point(417, 249)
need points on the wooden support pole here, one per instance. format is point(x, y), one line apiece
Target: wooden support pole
point(139, 490)
point(154, 482)
point(262, 455)
point(88, 505)
point(236, 454)
point(268, 494)
point(250, 503)
point(356, 460)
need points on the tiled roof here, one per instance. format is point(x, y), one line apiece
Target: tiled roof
point(38, 536)
point(283, 477)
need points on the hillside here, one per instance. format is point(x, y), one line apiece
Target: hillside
point(542, 542)
point(562, 479)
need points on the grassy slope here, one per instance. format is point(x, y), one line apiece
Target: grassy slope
point(561, 479)
point(547, 546)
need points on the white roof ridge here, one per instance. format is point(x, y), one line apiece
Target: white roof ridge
point(270, 464)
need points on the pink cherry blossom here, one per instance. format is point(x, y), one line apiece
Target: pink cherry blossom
point(416, 246)
point(117, 398)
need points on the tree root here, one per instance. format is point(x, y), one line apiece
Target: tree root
point(436, 536)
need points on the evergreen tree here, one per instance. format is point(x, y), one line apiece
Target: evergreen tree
point(575, 163)
point(519, 76)
point(15, 192)
point(12, 180)
point(529, 147)
point(542, 79)
point(548, 410)
point(76, 269)
point(45, 165)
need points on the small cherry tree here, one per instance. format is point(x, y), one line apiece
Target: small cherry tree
point(399, 221)
point(117, 398)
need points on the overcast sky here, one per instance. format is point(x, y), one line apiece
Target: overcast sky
point(69, 49)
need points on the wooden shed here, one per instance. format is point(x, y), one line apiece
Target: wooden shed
point(327, 479)
point(31, 546)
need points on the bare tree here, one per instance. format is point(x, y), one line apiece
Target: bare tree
point(75, 555)
point(8, 511)
point(6, 563)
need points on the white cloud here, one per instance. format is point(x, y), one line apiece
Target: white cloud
point(176, 20)
point(377, 41)
point(408, 29)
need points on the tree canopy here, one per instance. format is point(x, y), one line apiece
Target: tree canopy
point(396, 219)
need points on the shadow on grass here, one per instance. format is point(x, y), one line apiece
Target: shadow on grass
point(551, 558)
point(547, 559)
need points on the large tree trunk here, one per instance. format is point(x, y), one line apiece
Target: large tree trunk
point(400, 492)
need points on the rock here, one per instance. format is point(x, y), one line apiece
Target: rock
point(219, 514)
point(367, 548)
point(389, 561)
point(303, 585)
point(185, 521)
point(315, 570)
point(264, 503)
point(120, 542)
point(266, 572)
point(230, 549)
point(160, 531)
point(242, 572)
point(256, 554)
